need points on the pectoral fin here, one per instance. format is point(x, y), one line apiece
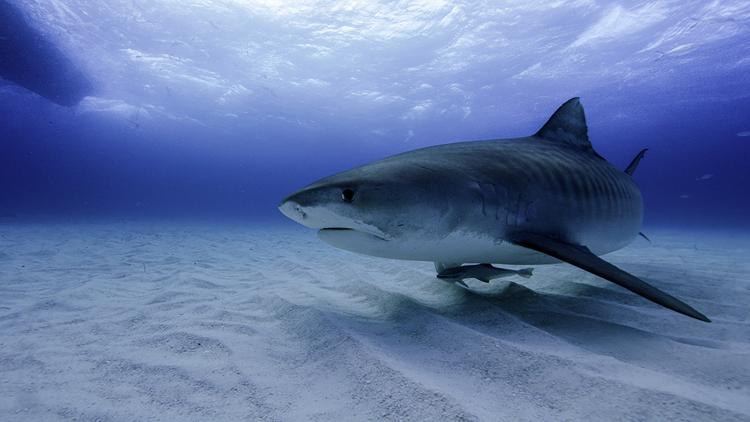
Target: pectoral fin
point(583, 258)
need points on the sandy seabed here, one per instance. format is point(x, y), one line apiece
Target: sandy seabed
point(206, 322)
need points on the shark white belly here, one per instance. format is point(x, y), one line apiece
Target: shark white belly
point(458, 247)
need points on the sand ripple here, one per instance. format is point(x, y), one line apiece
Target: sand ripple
point(136, 322)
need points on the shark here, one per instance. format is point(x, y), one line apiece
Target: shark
point(547, 198)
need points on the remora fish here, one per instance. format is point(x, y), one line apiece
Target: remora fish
point(540, 199)
point(481, 272)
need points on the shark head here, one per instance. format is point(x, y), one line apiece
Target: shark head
point(371, 209)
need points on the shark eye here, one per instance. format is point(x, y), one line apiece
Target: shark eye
point(347, 195)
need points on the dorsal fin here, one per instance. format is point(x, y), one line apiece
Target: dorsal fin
point(568, 125)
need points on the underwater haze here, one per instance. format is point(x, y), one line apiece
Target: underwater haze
point(221, 108)
point(146, 272)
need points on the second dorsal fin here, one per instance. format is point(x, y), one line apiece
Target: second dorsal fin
point(568, 125)
point(634, 164)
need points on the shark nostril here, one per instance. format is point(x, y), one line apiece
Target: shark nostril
point(292, 209)
point(300, 210)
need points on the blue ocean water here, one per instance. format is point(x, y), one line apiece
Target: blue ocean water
point(218, 109)
point(147, 274)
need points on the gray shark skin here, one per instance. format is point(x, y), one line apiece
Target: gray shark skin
point(540, 199)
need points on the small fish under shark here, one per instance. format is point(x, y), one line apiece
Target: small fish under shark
point(481, 272)
point(540, 199)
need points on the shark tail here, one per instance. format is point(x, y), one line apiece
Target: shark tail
point(525, 272)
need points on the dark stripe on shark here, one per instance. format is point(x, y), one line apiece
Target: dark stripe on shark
point(581, 186)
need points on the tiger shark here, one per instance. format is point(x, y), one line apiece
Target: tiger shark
point(542, 199)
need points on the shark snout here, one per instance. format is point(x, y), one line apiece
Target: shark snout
point(292, 208)
point(324, 209)
point(309, 208)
